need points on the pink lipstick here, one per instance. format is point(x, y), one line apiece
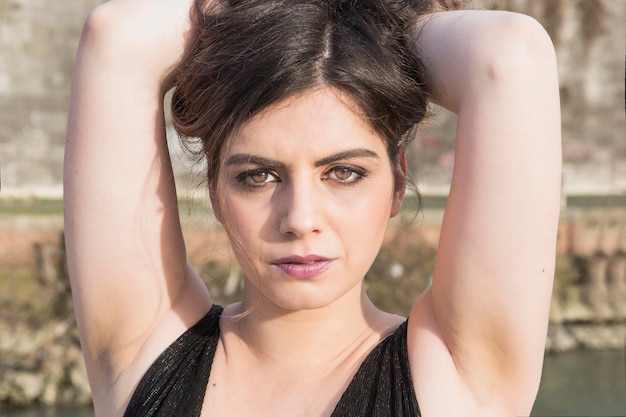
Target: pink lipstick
point(303, 266)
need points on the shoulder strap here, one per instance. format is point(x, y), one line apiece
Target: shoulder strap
point(382, 387)
point(176, 382)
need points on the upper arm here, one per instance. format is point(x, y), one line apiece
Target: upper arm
point(125, 249)
point(495, 263)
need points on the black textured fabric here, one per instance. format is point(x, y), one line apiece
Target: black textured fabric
point(176, 382)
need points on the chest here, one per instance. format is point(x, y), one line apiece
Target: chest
point(236, 389)
point(194, 377)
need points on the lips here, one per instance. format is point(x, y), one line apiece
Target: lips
point(303, 267)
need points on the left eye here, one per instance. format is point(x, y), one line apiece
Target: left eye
point(345, 174)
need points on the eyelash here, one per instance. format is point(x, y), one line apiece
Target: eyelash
point(360, 174)
point(244, 178)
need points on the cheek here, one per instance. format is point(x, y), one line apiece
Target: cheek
point(372, 200)
point(242, 222)
point(244, 215)
point(368, 211)
point(363, 217)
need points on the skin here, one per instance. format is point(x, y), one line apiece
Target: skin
point(319, 174)
point(477, 336)
point(302, 207)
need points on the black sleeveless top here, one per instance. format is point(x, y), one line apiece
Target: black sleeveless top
point(175, 384)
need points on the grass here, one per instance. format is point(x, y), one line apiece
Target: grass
point(53, 207)
point(31, 207)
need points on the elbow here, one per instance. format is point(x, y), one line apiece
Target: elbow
point(516, 46)
point(99, 23)
point(109, 28)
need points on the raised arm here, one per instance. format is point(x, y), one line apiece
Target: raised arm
point(486, 314)
point(132, 287)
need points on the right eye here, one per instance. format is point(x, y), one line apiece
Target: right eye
point(257, 177)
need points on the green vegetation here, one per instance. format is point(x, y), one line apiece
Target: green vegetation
point(45, 206)
point(593, 200)
point(31, 207)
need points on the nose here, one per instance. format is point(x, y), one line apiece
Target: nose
point(299, 214)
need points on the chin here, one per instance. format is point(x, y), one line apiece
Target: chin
point(299, 297)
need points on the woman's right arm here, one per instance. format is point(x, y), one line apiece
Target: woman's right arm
point(133, 289)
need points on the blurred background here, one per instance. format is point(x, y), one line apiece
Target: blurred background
point(41, 370)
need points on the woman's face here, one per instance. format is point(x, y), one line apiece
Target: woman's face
point(307, 190)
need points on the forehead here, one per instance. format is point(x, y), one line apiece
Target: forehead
point(316, 122)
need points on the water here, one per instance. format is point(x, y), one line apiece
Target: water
point(581, 383)
point(50, 412)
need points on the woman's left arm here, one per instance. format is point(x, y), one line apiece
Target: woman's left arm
point(489, 303)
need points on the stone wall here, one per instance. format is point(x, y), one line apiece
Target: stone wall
point(38, 40)
point(589, 39)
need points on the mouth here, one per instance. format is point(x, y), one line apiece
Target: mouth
point(303, 267)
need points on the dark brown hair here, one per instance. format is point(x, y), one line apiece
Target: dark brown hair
point(248, 55)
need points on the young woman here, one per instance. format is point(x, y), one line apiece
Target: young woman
point(304, 110)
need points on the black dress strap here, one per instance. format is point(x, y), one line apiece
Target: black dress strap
point(382, 387)
point(176, 382)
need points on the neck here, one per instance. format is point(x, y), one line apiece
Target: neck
point(307, 337)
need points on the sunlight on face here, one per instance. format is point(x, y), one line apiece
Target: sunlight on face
point(307, 191)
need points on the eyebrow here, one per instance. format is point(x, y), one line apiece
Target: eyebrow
point(242, 159)
point(351, 154)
